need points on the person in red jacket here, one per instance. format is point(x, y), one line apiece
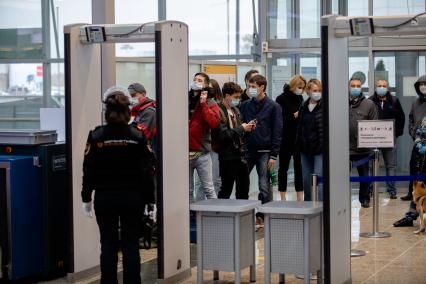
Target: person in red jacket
point(203, 116)
point(143, 113)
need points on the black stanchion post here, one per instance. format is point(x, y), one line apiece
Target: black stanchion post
point(375, 233)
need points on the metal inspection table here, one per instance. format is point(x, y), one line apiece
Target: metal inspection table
point(293, 239)
point(226, 236)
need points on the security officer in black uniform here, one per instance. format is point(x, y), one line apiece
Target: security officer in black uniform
point(119, 167)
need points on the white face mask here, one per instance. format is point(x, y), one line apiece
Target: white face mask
point(316, 96)
point(134, 101)
point(299, 91)
point(253, 92)
point(234, 102)
point(422, 89)
point(196, 86)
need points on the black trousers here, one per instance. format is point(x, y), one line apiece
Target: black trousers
point(124, 208)
point(286, 153)
point(363, 170)
point(413, 169)
point(234, 171)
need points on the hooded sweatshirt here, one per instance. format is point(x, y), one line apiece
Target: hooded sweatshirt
point(418, 108)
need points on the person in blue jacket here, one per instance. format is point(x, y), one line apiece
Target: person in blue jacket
point(263, 143)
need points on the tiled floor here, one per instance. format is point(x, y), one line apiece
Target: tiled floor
point(398, 259)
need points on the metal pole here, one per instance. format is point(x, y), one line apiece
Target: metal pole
point(376, 193)
point(314, 187)
point(375, 233)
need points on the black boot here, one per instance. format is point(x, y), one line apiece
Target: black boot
point(404, 222)
point(407, 197)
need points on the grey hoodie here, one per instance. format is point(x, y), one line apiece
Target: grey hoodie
point(418, 109)
point(361, 109)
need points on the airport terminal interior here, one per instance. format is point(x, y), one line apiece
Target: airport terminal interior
point(326, 144)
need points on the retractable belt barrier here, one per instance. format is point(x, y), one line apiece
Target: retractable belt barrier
point(375, 179)
point(381, 178)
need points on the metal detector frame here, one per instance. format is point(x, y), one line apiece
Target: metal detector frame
point(335, 31)
point(83, 93)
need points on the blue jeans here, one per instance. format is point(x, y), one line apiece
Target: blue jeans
point(260, 160)
point(217, 181)
point(389, 159)
point(311, 165)
point(203, 165)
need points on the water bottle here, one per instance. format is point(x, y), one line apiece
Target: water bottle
point(274, 177)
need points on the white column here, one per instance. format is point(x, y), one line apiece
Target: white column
point(103, 12)
point(336, 166)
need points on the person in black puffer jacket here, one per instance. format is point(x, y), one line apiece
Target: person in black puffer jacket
point(290, 101)
point(119, 167)
point(310, 136)
point(389, 107)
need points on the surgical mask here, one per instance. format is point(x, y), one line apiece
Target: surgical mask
point(355, 92)
point(421, 148)
point(235, 102)
point(422, 89)
point(316, 96)
point(253, 92)
point(196, 87)
point(381, 91)
point(134, 101)
point(299, 91)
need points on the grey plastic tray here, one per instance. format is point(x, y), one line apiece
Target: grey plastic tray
point(225, 205)
point(27, 136)
point(291, 207)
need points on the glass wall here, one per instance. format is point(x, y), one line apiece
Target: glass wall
point(20, 29)
point(310, 18)
point(392, 7)
point(142, 11)
point(356, 7)
point(280, 20)
point(66, 12)
point(212, 24)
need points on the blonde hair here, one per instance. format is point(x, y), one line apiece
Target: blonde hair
point(295, 81)
point(315, 82)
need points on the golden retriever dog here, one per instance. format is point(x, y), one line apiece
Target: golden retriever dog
point(419, 197)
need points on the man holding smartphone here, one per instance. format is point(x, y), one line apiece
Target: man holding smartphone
point(263, 143)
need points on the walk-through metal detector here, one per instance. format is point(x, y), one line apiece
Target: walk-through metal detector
point(83, 95)
point(335, 31)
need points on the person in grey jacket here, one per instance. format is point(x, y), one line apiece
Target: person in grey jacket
point(417, 113)
point(360, 108)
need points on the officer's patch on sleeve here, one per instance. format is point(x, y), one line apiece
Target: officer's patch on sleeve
point(87, 150)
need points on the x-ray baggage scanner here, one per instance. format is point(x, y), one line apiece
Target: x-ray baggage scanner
point(83, 93)
point(335, 31)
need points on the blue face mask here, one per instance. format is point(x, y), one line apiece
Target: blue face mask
point(196, 87)
point(316, 96)
point(235, 102)
point(253, 92)
point(355, 92)
point(421, 148)
point(381, 91)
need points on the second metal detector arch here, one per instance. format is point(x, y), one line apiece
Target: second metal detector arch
point(335, 31)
